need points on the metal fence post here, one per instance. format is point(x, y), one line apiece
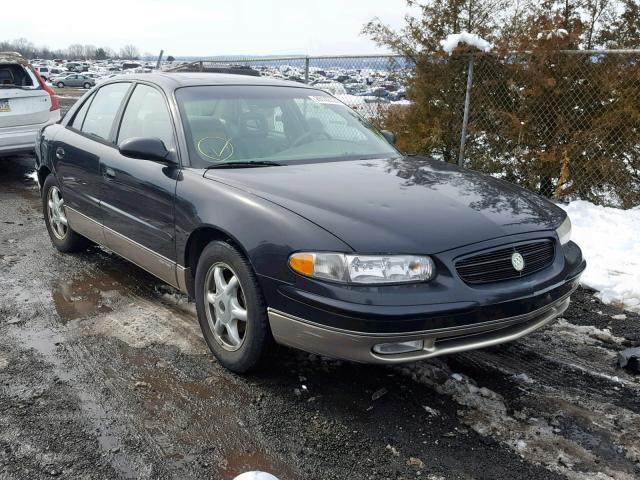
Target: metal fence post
point(306, 69)
point(465, 118)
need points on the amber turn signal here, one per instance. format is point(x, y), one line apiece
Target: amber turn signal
point(302, 263)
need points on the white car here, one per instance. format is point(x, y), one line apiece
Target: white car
point(27, 104)
point(44, 71)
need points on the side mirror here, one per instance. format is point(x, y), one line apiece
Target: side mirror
point(390, 136)
point(151, 148)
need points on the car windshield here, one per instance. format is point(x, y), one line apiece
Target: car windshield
point(275, 124)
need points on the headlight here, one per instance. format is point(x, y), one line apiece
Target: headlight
point(564, 231)
point(363, 269)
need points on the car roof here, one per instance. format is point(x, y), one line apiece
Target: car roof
point(175, 80)
point(12, 57)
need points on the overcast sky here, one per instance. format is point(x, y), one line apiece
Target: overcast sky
point(204, 27)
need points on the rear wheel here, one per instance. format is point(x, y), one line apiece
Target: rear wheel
point(231, 310)
point(60, 84)
point(55, 217)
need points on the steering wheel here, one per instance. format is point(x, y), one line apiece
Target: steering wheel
point(253, 124)
point(310, 136)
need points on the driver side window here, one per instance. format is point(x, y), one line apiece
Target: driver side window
point(146, 115)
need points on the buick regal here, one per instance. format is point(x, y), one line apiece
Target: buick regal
point(291, 220)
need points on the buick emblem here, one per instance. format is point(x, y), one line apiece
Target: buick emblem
point(517, 261)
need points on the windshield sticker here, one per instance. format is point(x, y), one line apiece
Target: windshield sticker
point(326, 100)
point(216, 148)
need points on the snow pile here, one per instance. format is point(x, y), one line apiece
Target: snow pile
point(452, 41)
point(610, 242)
point(33, 176)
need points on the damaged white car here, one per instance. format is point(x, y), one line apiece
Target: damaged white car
point(27, 104)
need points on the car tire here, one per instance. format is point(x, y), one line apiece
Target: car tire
point(87, 85)
point(60, 85)
point(246, 349)
point(63, 238)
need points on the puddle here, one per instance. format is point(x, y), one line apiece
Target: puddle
point(84, 297)
point(111, 302)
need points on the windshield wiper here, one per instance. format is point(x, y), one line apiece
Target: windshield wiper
point(261, 163)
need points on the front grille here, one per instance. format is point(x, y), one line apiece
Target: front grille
point(495, 265)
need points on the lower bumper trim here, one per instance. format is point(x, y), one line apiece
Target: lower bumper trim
point(348, 345)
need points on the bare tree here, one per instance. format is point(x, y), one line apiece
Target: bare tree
point(89, 51)
point(130, 52)
point(75, 51)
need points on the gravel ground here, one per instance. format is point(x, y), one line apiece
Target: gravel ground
point(103, 374)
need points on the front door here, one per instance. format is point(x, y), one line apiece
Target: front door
point(137, 196)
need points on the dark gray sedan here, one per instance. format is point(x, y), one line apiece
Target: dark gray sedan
point(292, 220)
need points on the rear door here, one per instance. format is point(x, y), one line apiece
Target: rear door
point(80, 146)
point(22, 100)
point(138, 195)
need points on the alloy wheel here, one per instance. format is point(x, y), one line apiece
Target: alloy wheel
point(225, 306)
point(56, 213)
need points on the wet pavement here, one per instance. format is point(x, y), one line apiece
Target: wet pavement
point(104, 374)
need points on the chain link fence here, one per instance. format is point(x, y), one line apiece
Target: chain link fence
point(367, 83)
point(563, 124)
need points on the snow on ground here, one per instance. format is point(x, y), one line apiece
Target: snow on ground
point(452, 41)
point(610, 242)
point(33, 175)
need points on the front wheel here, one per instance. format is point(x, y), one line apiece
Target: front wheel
point(231, 310)
point(60, 85)
point(87, 85)
point(55, 217)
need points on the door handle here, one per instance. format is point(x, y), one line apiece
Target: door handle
point(60, 153)
point(109, 172)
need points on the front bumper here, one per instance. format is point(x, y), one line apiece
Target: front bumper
point(347, 322)
point(357, 346)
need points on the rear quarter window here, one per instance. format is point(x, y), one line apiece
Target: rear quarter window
point(78, 119)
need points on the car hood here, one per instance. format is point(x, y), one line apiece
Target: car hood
point(402, 205)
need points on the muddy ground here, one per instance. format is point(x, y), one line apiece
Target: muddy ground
point(68, 96)
point(104, 374)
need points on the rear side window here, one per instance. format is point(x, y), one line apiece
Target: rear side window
point(79, 118)
point(106, 102)
point(146, 116)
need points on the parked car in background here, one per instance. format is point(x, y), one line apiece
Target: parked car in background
point(44, 72)
point(27, 104)
point(288, 217)
point(57, 72)
point(73, 80)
